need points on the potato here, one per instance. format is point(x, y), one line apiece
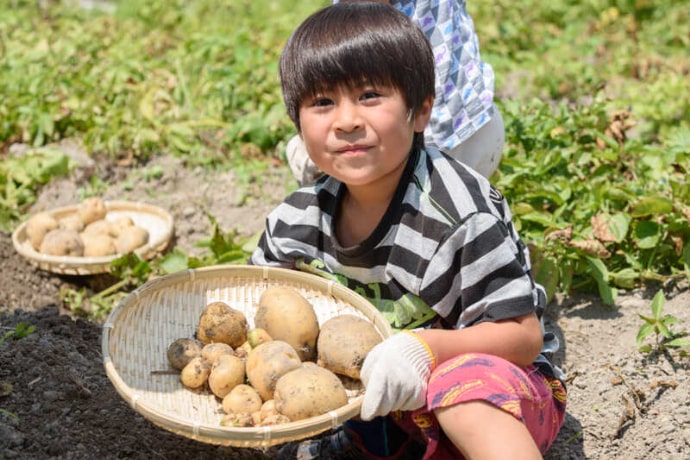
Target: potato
point(71, 222)
point(119, 224)
point(309, 391)
point(219, 322)
point(131, 238)
point(243, 420)
point(242, 398)
point(91, 210)
point(276, 419)
point(182, 351)
point(227, 372)
point(97, 227)
point(256, 416)
point(38, 226)
point(268, 409)
point(267, 363)
point(256, 336)
point(344, 342)
point(211, 351)
point(98, 245)
point(195, 374)
point(286, 315)
point(60, 242)
point(243, 350)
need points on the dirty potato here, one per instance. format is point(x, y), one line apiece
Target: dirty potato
point(71, 222)
point(227, 372)
point(38, 226)
point(219, 322)
point(308, 391)
point(267, 363)
point(242, 398)
point(60, 242)
point(195, 374)
point(344, 342)
point(98, 245)
point(91, 210)
point(131, 238)
point(286, 315)
point(182, 351)
point(211, 351)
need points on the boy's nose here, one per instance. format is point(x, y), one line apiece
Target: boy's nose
point(347, 118)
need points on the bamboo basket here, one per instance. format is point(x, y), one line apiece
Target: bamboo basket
point(138, 332)
point(157, 221)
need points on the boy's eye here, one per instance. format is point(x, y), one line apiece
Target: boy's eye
point(370, 95)
point(321, 102)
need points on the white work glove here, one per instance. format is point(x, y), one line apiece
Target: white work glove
point(395, 374)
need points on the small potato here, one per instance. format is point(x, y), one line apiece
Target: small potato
point(268, 409)
point(219, 322)
point(131, 238)
point(227, 372)
point(211, 351)
point(71, 222)
point(257, 336)
point(243, 420)
point(309, 391)
point(288, 316)
point(62, 243)
point(91, 210)
point(98, 245)
point(182, 351)
point(195, 374)
point(344, 342)
point(119, 224)
point(38, 226)
point(276, 419)
point(98, 227)
point(242, 398)
point(267, 363)
point(243, 350)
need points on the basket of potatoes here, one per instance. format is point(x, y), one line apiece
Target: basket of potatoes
point(240, 355)
point(83, 239)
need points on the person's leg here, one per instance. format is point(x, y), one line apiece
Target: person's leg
point(482, 431)
point(476, 399)
point(303, 169)
point(484, 149)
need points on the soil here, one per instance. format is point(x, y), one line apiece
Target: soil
point(57, 402)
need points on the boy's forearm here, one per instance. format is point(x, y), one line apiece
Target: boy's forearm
point(518, 340)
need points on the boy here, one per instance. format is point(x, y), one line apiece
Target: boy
point(465, 123)
point(429, 241)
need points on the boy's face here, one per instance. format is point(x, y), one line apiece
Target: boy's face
point(360, 136)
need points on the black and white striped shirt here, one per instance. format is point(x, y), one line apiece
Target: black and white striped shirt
point(446, 252)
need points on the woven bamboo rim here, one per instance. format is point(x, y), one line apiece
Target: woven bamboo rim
point(157, 221)
point(137, 333)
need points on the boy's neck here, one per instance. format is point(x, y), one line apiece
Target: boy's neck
point(363, 206)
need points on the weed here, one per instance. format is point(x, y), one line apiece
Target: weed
point(20, 331)
point(660, 325)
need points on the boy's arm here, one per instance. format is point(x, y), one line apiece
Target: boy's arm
point(518, 340)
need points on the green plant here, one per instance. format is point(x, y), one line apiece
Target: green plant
point(660, 325)
point(20, 331)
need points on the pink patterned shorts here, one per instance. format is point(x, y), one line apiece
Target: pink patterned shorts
point(535, 399)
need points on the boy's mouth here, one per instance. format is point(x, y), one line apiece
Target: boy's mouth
point(353, 149)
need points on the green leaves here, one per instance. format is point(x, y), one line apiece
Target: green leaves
point(610, 218)
point(20, 331)
point(660, 325)
point(20, 178)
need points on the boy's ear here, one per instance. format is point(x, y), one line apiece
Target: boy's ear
point(421, 117)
